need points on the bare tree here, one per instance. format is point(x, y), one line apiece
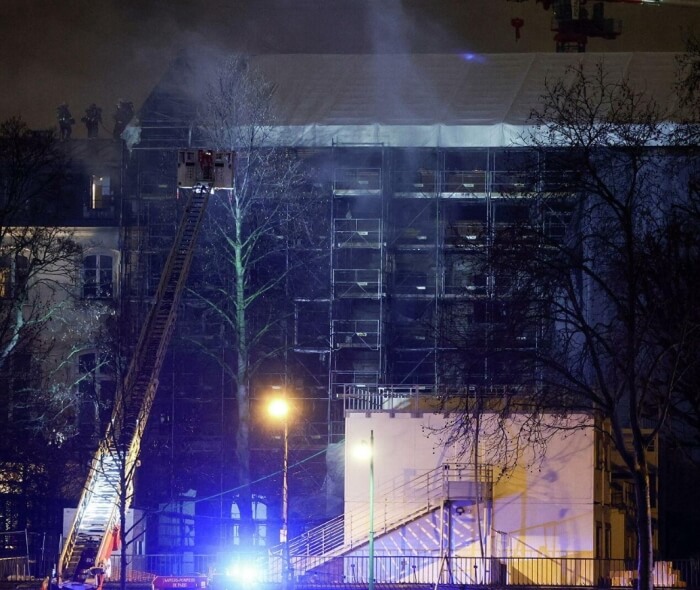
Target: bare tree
point(38, 261)
point(44, 325)
point(592, 296)
point(252, 228)
point(604, 346)
point(676, 281)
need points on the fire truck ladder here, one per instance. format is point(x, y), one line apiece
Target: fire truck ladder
point(113, 465)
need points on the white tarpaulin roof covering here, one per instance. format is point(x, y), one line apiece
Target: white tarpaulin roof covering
point(433, 100)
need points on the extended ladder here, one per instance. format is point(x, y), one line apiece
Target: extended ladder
point(113, 464)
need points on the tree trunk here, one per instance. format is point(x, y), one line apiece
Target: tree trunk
point(645, 541)
point(245, 499)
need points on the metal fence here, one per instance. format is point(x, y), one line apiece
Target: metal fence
point(512, 571)
point(428, 569)
point(14, 568)
point(26, 555)
point(401, 567)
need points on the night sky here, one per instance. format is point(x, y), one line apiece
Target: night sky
point(82, 51)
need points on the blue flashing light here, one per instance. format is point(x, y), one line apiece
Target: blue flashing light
point(248, 573)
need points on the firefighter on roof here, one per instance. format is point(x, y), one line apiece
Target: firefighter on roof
point(92, 120)
point(65, 121)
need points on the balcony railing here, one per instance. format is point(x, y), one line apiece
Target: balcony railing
point(356, 283)
point(357, 233)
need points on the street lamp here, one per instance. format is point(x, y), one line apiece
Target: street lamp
point(279, 408)
point(367, 452)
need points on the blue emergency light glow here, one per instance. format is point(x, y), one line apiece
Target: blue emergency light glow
point(248, 573)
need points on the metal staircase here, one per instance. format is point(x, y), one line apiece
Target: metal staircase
point(395, 506)
point(112, 469)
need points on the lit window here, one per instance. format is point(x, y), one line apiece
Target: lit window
point(13, 275)
point(100, 193)
point(5, 279)
point(97, 277)
point(260, 518)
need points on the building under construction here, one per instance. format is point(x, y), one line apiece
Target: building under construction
point(416, 164)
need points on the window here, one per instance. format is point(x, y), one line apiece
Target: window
point(13, 275)
point(96, 387)
point(260, 518)
point(602, 453)
point(5, 278)
point(100, 193)
point(97, 277)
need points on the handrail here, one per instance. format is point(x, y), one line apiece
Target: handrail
point(394, 507)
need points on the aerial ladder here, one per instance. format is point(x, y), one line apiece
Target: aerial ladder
point(96, 519)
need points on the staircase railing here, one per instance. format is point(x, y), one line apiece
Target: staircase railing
point(394, 506)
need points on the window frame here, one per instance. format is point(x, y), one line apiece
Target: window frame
point(12, 264)
point(101, 285)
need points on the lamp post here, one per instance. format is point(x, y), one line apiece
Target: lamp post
point(279, 408)
point(371, 510)
point(368, 453)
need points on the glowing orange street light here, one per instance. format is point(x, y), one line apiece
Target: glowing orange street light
point(278, 408)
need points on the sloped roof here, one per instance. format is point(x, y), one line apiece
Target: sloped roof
point(448, 100)
point(431, 99)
